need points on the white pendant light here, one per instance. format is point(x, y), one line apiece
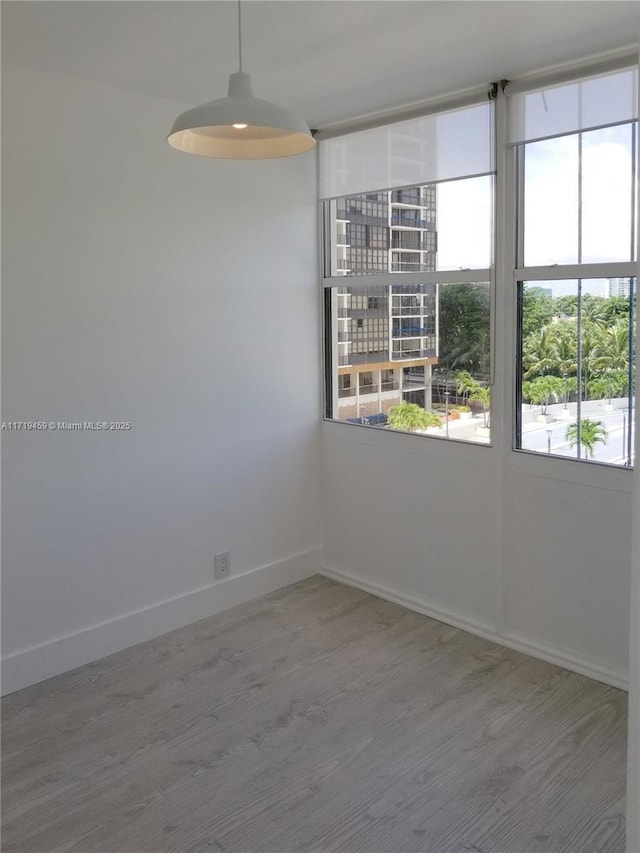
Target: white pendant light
point(240, 126)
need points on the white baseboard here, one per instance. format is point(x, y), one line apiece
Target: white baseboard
point(31, 665)
point(513, 640)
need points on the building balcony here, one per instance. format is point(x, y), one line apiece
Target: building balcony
point(412, 244)
point(344, 337)
point(408, 310)
point(369, 359)
point(409, 198)
point(415, 381)
point(412, 332)
point(368, 389)
point(368, 313)
point(399, 221)
point(409, 266)
point(405, 355)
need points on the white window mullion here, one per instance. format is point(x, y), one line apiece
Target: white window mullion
point(384, 279)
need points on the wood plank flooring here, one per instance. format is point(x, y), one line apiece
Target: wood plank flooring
point(317, 719)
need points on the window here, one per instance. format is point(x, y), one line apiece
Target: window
point(344, 385)
point(576, 161)
point(577, 369)
point(408, 292)
point(408, 216)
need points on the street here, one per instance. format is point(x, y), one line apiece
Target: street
point(551, 437)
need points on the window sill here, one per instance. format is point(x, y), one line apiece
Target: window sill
point(519, 462)
point(597, 475)
point(434, 446)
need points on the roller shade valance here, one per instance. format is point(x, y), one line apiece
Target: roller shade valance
point(571, 107)
point(438, 147)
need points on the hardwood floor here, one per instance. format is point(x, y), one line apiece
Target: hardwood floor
point(318, 719)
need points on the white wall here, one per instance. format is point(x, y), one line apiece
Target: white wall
point(464, 534)
point(633, 754)
point(416, 526)
point(179, 294)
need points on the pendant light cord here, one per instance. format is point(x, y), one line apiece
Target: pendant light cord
point(239, 36)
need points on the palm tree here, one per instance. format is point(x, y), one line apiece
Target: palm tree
point(615, 347)
point(482, 395)
point(410, 417)
point(594, 309)
point(592, 349)
point(588, 433)
point(465, 384)
point(539, 356)
point(566, 346)
point(474, 352)
point(464, 311)
point(543, 390)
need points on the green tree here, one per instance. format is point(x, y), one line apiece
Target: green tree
point(540, 353)
point(465, 384)
point(594, 309)
point(611, 383)
point(592, 350)
point(565, 344)
point(616, 308)
point(566, 306)
point(410, 417)
point(464, 311)
point(614, 347)
point(543, 390)
point(482, 395)
point(537, 310)
point(589, 433)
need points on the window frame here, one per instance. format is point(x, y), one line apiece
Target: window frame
point(514, 175)
point(388, 278)
point(501, 455)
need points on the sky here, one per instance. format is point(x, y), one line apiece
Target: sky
point(551, 207)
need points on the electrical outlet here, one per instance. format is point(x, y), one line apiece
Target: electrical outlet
point(222, 565)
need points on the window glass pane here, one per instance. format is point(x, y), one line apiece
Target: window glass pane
point(551, 201)
point(412, 357)
point(407, 202)
point(465, 224)
point(608, 226)
point(576, 371)
point(415, 229)
point(578, 198)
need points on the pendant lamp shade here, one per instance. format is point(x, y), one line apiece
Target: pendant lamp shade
point(241, 127)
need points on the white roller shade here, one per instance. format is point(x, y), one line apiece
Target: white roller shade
point(439, 147)
point(572, 107)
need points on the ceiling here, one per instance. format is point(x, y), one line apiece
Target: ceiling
point(328, 59)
